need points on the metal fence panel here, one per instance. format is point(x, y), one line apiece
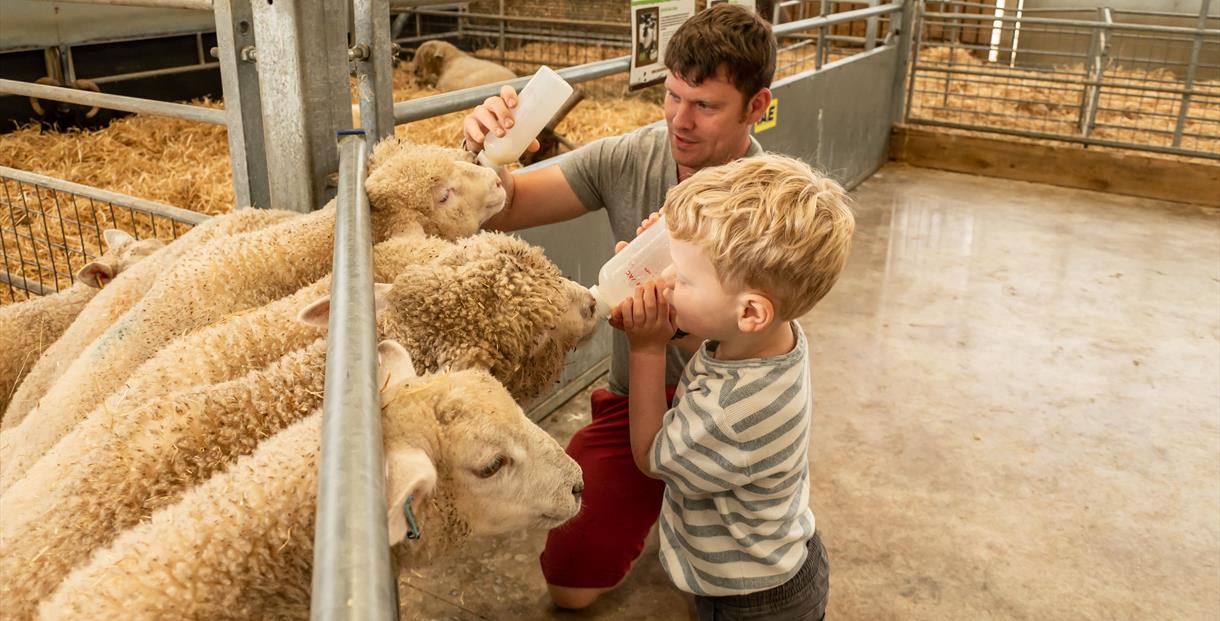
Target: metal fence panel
point(50, 228)
point(1102, 77)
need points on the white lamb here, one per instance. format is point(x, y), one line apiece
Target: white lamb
point(119, 296)
point(121, 464)
point(441, 64)
point(240, 546)
point(31, 326)
point(410, 186)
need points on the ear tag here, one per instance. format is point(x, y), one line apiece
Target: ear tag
point(412, 526)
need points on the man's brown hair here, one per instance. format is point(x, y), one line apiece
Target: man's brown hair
point(729, 36)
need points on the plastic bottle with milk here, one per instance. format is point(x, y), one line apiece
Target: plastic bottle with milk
point(644, 259)
point(541, 98)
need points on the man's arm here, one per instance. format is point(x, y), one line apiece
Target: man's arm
point(535, 198)
point(531, 199)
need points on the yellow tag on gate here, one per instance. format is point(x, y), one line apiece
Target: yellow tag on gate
point(769, 117)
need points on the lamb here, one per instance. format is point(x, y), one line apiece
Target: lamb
point(410, 187)
point(115, 299)
point(119, 465)
point(239, 344)
point(441, 64)
point(33, 325)
point(240, 546)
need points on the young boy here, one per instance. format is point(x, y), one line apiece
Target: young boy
point(756, 243)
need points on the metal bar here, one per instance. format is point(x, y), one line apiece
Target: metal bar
point(198, 5)
point(374, 72)
point(1089, 118)
point(917, 34)
point(820, 58)
point(522, 18)
point(500, 44)
point(427, 107)
point(236, 41)
point(1066, 138)
point(1124, 86)
point(23, 283)
point(901, 71)
point(303, 85)
point(352, 578)
point(113, 102)
point(154, 73)
point(1208, 32)
point(140, 204)
point(870, 29)
point(1191, 72)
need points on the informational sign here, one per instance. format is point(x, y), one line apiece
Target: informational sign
point(769, 118)
point(653, 22)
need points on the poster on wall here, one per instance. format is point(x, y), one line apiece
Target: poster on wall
point(653, 22)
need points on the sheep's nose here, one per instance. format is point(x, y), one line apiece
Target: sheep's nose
point(498, 183)
point(577, 490)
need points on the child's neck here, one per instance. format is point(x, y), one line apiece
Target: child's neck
point(774, 340)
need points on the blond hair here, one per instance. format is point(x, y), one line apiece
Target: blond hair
point(769, 223)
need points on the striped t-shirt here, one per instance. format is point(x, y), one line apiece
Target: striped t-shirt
point(734, 455)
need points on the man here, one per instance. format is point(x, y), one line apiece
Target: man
point(721, 62)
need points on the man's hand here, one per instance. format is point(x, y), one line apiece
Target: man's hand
point(646, 317)
point(493, 116)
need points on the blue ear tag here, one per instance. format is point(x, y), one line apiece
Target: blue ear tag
point(412, 526)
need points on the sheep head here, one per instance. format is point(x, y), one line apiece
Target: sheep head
point(441, 190)
point(464, 451)
point(493, 302)
point(122, 251)
point(430, 59)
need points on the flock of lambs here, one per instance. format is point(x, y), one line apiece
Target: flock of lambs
point(160, 434)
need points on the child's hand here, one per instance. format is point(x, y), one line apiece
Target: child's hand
point(646, 317)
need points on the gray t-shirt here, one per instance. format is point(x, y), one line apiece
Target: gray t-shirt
point(629, 175)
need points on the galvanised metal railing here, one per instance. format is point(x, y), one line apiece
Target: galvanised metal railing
point(50, 228)
point(1133, 79)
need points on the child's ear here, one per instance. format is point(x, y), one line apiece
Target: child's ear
point(754, 312)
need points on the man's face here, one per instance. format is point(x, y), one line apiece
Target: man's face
point(709, 123)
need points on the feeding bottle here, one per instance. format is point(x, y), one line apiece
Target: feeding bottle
point(541, 98)
point(644, 259)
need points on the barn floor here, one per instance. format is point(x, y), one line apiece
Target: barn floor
point(1018, 418)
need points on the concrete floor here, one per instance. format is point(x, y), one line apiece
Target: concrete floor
point(1018, 415)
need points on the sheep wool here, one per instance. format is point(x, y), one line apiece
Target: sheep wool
point(31, 326)
point(117, 467)
point(409, 186)
point(240, 546)
point(115, 299)
point(247, 341)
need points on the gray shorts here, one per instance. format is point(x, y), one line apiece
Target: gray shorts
point(803, 598)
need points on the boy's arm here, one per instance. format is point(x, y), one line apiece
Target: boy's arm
point(648, 322)
point(646, 403)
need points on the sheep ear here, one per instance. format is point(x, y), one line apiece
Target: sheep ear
point(96, 274)
point(115, 238)
point(394, 367)
point(317, 313)
point(409, 474)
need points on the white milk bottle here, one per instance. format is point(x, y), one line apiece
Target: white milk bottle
point(541, 98)
point(644, 259)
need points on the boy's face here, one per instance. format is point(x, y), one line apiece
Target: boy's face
point(709, 124)
point(701, 304)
